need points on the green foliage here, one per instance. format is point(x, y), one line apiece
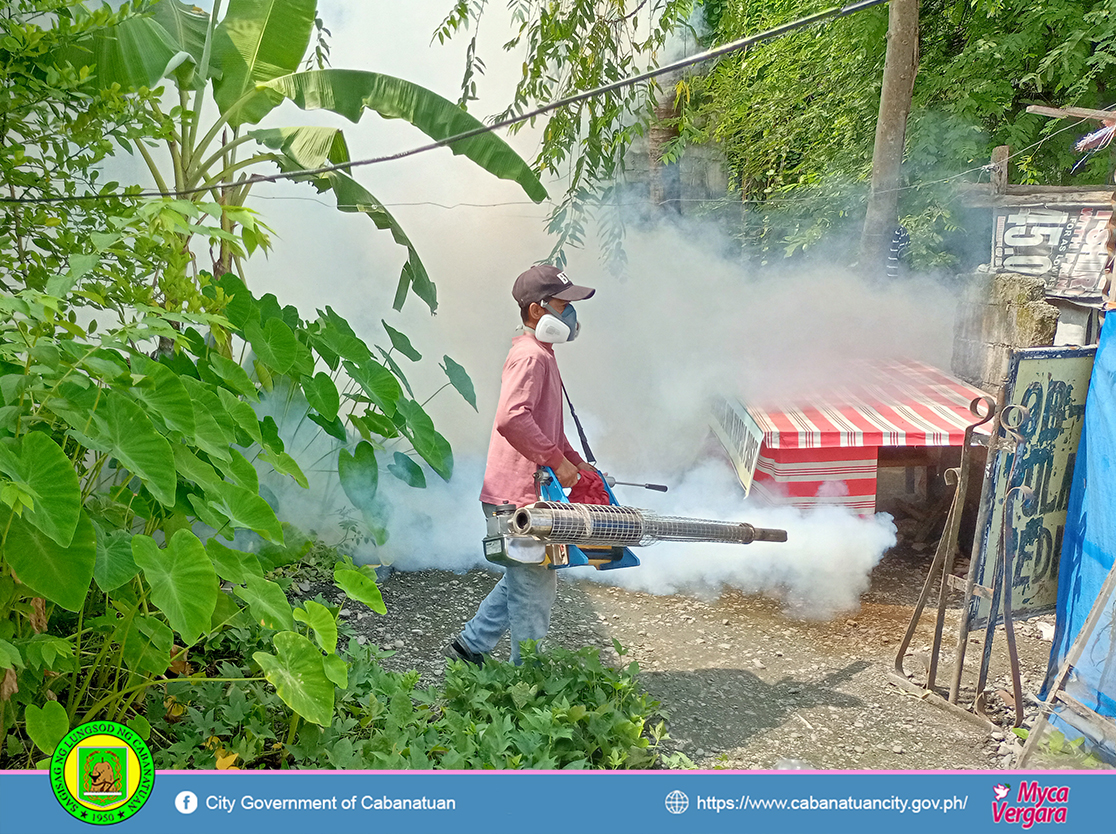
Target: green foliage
point(796, 117)
point(1055, 752)
point(568, 48)
point(129, 382)
point(129, 379)
point(561, 709)
point(248, 62)
point(47, 726)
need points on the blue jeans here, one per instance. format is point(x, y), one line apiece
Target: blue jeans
point(521, 601)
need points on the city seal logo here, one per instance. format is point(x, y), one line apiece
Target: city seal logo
point(102, 773)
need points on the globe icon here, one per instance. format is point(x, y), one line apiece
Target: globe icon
point(677, 802)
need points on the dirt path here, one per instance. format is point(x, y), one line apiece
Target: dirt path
point(744, 685)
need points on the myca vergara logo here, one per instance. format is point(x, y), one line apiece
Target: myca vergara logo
point(1033, 804)
point(102, 772)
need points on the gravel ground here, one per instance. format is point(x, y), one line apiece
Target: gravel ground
point(745, 685)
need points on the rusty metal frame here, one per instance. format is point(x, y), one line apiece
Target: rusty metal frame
point(941, 569)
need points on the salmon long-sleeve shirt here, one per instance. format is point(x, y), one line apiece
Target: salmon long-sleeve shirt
point(528, 431)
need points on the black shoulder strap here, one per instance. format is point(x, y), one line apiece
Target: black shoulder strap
point(589, 456)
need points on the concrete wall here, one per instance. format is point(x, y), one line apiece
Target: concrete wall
point(999, 312)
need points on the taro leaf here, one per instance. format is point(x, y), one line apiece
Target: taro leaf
point(407, 471)
point(242, 472)
point(163, 394)
point(336, 670)
point(267, 382)
point(233, 375)
point(378, 383)
point(61, 574)
point(47, 471)
point(246, 509)
point(241, 307)
point(193, 468)
point(361, 587)
point(296, 545)
point(135, 443)
point(334, 428)
point(147, 644)
point(267, 601)
point(114, 565)
point(395, 369)
point(242, 414)
point(270, 433)
point(183, 582)
point(337, 342)
point(401, 342)
point(47, 725)
point(460, 380)
point(269, 308)
point(228, 613)
point(274, 344)
point(322, 621)
point(234, 566)
point(212, 434)
point(284, 464)
point(207, 515)
point(303, 364)
point(433, 448)
point(140, 725)
point(322, 395)
point(298, 675)
point(360, 475)
point(379, 424)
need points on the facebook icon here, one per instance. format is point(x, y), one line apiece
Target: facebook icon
point(186, 802)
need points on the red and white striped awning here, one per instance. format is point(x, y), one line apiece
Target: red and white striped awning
point(896, 403)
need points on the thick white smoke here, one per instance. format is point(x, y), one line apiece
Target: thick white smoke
point(819, 572)
point(684, 324)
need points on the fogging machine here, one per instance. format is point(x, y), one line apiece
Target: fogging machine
point(600, 535)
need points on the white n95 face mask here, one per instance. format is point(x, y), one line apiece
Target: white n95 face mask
point(556, 327)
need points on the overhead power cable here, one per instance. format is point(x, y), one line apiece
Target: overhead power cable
point(708, 55)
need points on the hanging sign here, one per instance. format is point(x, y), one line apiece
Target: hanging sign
point(1066, 246)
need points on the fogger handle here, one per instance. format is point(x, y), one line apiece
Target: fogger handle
point(767, 534)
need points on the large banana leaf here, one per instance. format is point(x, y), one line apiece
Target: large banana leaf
point(350, 92)
point(301, 148)
point(354, 197)
point(305, 147)
point(187, 25)
point(258, 40)
point(137, 52)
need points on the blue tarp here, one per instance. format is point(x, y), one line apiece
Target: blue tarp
point(1089, 548)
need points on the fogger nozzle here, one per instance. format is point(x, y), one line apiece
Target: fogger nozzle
point(611, 526)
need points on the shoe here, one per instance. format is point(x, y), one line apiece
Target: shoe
point(456, 651)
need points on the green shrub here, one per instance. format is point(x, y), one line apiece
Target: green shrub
point(560, 709)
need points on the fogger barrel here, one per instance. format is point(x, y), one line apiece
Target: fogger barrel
point(603, 525)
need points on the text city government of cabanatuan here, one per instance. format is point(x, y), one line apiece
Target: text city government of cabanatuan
point(347, 803)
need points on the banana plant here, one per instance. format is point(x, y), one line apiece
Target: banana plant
point(246, 62)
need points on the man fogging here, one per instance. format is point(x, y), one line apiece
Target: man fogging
point(527, 433)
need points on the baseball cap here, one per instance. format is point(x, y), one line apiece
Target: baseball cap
point(546, 281)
